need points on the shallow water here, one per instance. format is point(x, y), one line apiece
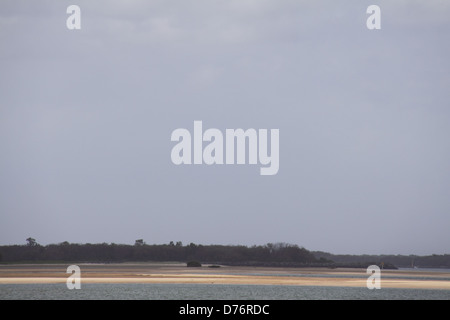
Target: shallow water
point(127, 291)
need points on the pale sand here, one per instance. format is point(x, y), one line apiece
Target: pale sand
point(159, 273)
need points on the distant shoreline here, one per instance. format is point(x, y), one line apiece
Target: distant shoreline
point(280, 255)
point(164, 273)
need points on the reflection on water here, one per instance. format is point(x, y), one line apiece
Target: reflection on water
point(209, 292)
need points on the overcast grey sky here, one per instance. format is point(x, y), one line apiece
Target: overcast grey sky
point(364, 117)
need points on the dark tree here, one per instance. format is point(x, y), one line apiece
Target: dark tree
point(139, 242)
point(31, 242)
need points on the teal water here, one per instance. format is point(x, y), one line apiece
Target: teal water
point(210, 292)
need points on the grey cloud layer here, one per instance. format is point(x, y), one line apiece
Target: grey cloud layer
point(86, 118)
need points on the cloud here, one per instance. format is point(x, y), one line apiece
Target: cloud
point(86, 117)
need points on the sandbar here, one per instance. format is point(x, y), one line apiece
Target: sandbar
point(179, 274)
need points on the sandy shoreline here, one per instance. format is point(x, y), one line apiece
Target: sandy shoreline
point(179, 274)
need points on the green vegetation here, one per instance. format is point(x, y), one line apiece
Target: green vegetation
point(270, 255)
point(139, 242)
point(388, 261)
point(31, 242)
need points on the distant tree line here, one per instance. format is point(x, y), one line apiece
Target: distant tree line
point(401, 261)
point(140, 251)
point(271, 255)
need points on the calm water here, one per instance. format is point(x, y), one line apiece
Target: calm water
point(209, 292)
